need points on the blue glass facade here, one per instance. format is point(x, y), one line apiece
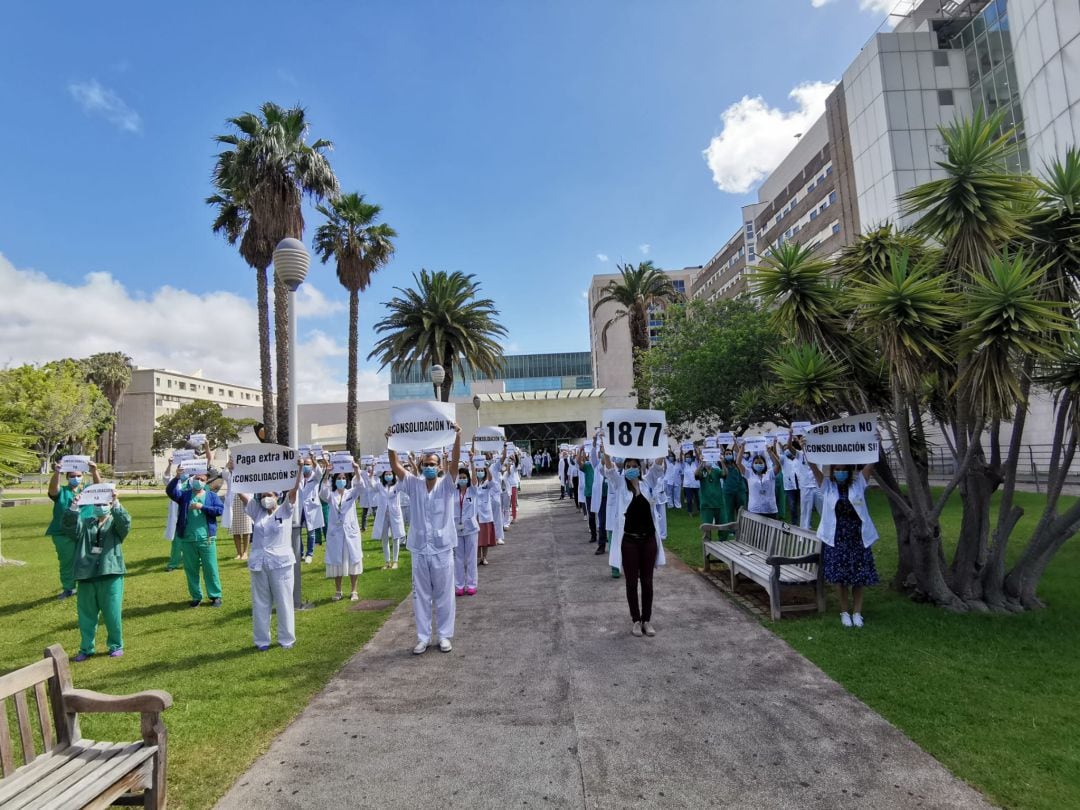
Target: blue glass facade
point(521, 372)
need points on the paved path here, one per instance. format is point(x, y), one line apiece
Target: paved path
point(548, 701)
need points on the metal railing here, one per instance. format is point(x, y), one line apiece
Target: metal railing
point(1034, 466)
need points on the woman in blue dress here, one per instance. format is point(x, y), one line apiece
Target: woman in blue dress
point(847, 534)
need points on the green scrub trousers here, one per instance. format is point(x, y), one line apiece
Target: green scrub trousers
point(65, 554)
point(201, 554)
point(102, 596)
point(714, 514)
point(176, 554)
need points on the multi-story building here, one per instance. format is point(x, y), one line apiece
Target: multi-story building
point(879, 134)
point(519, 372)
point(612, 368)
point(155, 392)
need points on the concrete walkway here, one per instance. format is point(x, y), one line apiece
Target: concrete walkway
point(548, 701)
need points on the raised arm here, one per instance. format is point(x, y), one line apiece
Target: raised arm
point(395, 464)
point(54, 482)
point(95, 473)
point(455, 454)
point(296, 487)
point(739, 464)
point(245, 499)
point(819, 476)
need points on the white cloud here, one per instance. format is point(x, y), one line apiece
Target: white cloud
point(756, 137)
point(98, 100)
point(645, 248)
point(602, 257)
point(875, 6)
point(42, 319)
point(312, 303)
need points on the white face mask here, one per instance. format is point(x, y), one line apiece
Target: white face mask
point(269, 503)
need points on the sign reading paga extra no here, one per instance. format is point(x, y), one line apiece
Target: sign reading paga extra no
point(848, 440)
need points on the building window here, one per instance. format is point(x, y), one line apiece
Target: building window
point(832, 197)
point(836, 228)
point(941, 59)
point(945, 98)
point(813, 215)
point(159, 401)
point(231, 394)
point(157, 381)
point(828, 171)
point(183, 386)
point(168, 383)
point(221, 392)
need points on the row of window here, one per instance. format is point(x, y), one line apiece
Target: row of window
point(181, 385)
point(794, 201)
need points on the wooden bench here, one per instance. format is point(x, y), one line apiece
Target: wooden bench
point(71, 772)
point(772, 554)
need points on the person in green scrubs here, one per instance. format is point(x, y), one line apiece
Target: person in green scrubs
point(196, 525)
point(734, 488)
point(99, 533)
point(63, 497)
point(712, 476)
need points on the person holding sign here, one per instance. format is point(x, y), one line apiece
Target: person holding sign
point(635, 548)
point(847, 533)
point(344, 554)
point(761, 482)
point(64, 543)
point(673, 482)
point(711, 476)
point(310, 514)
point(98, 566)
point(431, 541)
point(468, 529)
point(270, 562)
point(389, 518)
point(734, 486)
point(691, 485)
point(196, 525)
point(487, 497)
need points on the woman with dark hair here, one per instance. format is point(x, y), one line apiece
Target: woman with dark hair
point(635, 546)
point(847, 533)
point(344, 555)
point(761, 483)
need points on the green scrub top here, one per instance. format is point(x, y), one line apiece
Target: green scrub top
point(733, 484)
point(589, 475)
point(108, 536)
point(712, 489)
point(61, 504)
point(196, 522)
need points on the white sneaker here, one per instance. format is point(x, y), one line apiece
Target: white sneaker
point(354, 597)
point(857, 620)
point(647, 629)
point(636, 629)
point(307, 559)
point(445, 645)
point(421, 648)
point(845, 619)
point(500, 542)
point(336, 597)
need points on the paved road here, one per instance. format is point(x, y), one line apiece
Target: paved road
point(548, 701)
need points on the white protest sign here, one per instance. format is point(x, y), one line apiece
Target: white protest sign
point(367, 461)
point(489, 439)
point(304, 450)
point(263, 468)
point(783, 436)
point(635, 433)
point(197, 440)
point(688, 447)
point(419, 425)
point(194, 466)
point(341, 461)
point(711, 455)
point(381, 467)
point(800, 428)
point(725, 439)
point(755, 445)
point(179, 456)
point(97, 495)
point(710, 442)
point(75, 464)
point(848, 440)
point(480, 462)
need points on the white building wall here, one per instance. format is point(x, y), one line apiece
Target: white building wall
point(1046, 47)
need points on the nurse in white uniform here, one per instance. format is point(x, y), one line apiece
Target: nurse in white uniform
point(389, 517)
point(344, 555)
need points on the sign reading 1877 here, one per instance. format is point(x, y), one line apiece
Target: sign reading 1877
point(635, 433)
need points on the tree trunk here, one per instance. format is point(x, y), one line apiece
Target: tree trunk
point(265, 374)
point(448, 382)
point(281, 344)
point(350, 408)
point(928, 568)
point(972, 547)
point(905, 569)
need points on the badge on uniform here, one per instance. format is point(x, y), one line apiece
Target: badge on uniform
point(95, 549)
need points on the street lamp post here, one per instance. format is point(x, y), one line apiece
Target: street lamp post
point(291, 262)
point(476, 404)
point(438, 374)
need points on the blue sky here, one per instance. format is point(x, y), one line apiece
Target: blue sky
point(514, 140)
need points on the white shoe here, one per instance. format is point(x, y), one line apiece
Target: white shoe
point(354, 597)
point(421, 648)
point(857, 620)
point(500, 542)
point(845, 619)
point(307, 559)
point(647, 629)
point(336, 597)
point(636, 629)
point(445, 645)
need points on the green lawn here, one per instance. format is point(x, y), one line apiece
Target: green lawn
point(995, 698)
point(229, 700)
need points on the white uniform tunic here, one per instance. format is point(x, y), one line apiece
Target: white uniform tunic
point(344, 556)
point(468, 529)
point(390, 514)
point(431, 539)
point(310, 507)
point(762, 490)
point(270, 561)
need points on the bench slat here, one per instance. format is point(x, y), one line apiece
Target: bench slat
point(26, 732)
point(41, 767)
point(24, 678)
point(93, 781)
point(7, 754)
point(41, 700)
point(132, 782)
point(77, 757)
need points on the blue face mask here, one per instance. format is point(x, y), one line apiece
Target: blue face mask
point(102, 510)
point(430, 473)
point(307, 469)
point(388, 479)
point(631, 473)
point(789, 454)
point(759, 467)
point(729, 457)
point(197, 485)
point(841, 476)
point(74, 482)
point(463, 482)
point(481, 474)
point(340, 483)
point(184, 477)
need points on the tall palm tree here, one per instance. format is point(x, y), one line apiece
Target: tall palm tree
point(443, 321)
point(260, 181)
point(111, 372)
point(360, 246)
point(640, 287)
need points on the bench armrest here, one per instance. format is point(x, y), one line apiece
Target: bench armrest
point(86, 701)
point(809, 558)
point(711, 527)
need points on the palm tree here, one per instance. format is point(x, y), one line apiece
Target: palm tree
point(260, 182)
point(111, 372)
point(640, 288)
point(360, 247)
point(443, 321)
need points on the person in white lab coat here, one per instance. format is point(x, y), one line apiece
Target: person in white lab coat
point(389, 518)
point(270, 563)
point(344, 554)
point(496, 466)
point(309, 515)
point(468, 530)
point(431, 541)
point(487, 496)
point(673, 482)
point(691, 486)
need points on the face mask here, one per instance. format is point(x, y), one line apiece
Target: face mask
point(729, 457)
point(388, 479)
point(307, 469)
point(197, 484)
point(759, 467)
point(689, 459)
point(269, 503)
point(74, 482)
point(463, 482)
point(184, 477)
point(430, 473)
point(102, 510)
point(481, 474)
point(789, 454)
point(339, 484)
point(631, 473)
point(841, 476)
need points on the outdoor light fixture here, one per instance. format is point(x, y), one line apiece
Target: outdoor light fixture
point(438, 374)
point(476, 404)
point(291, 262)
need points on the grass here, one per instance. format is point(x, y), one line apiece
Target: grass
point(994, 698)
point(229, 700)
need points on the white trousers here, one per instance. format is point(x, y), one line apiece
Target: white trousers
point(465, 560)
point(660, 518)
point(273, 588)
point(386, 548)
point(497, 515)
point(807, 504)
point(433, 584)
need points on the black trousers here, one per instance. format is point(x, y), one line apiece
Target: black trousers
point(638, 563)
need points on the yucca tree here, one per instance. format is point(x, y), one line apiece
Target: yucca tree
point(800, 288)
point(360, 246)
point(441, 321)
point(639, 288)
point(260, 181)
